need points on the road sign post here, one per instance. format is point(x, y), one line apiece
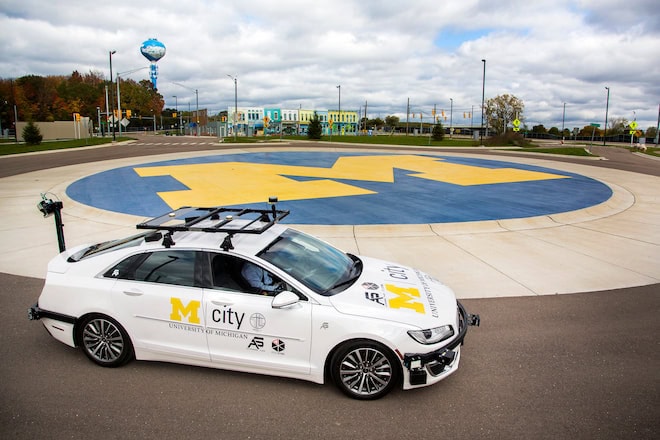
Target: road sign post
point(633, 126)
point(593, 133)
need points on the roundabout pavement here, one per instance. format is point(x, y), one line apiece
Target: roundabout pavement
point(540, 366)
point(488, 226)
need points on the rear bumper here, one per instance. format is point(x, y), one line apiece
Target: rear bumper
point(425, 368)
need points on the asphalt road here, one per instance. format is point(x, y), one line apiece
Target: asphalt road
point(565, 366)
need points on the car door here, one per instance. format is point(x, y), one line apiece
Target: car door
point(245, 329)
point(158, 299)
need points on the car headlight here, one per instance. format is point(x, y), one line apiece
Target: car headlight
point(432, 335)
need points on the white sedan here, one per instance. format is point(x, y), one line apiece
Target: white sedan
point(236, 289)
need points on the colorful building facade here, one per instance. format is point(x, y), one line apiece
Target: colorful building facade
point(256, 121)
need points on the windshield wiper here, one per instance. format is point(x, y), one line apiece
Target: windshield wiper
point(353, 274)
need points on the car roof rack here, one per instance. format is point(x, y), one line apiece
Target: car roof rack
point(216, 219)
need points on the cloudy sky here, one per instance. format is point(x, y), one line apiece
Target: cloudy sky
point(294, 53)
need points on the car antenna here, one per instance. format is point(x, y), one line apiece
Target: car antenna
point(272, 200)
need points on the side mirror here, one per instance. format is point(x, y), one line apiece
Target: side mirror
point(285, 299)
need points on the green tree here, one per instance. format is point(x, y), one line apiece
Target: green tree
point(540, 129)
point(617, 126)
point(438, 132)
point(502, 110)
point(554, 131)
point(31, 134)
point(391, 122)
point(314, 129)
point(588, 130)
point(651, 132)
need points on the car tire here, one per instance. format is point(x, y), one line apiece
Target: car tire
point(104, 341)
point(365, 370)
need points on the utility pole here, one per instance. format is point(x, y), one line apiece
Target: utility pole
point(607, 107)
point(407, 116)
point(483, 98)
point(112, 104)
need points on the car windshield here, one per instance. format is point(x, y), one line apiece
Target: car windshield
point(319, 266)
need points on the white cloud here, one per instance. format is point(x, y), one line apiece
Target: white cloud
point(295, 52)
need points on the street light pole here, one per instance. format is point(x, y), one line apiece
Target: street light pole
point(563, 117)
point(119, 75)
point(607, 107)
point(98, 114)
point(112, 104)
point(176, 109)
point(197, 110)
point(483, 96)
point(235, 78)
point(451, 116)
point(196, 102)
point(339, 111)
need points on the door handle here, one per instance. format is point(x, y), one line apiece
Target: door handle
point(133, 292)
point(222, 303)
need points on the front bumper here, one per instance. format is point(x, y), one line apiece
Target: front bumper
point(442, 361)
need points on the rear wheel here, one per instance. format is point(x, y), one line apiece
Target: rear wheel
point(104, 341)
point(365, 370)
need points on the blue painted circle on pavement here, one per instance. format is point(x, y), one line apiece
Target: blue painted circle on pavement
point(409, 200)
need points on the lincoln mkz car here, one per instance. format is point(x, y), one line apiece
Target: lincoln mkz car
point(238, 290)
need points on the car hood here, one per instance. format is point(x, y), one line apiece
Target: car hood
point(398, 293)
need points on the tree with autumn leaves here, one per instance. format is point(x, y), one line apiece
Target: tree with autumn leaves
point(57, 98)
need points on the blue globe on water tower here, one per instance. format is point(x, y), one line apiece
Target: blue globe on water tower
point(153, 50)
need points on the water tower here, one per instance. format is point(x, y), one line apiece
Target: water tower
point(153, 50)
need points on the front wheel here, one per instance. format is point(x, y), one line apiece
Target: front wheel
point(104, 341)
point(365, 370)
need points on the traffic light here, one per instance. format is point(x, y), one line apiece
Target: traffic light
point(116, 113)
point(128, 114)
point(174, 114)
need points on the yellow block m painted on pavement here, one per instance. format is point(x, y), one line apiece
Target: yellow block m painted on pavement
point(237, 183)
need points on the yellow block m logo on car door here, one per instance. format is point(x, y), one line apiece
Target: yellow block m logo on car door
point(179, 311)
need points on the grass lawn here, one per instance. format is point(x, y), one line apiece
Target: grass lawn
point(419, 141)
point(566, 151)
point(10, 147)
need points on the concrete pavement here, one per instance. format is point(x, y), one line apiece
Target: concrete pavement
point(612, 245)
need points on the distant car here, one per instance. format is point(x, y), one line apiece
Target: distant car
point(238, 290)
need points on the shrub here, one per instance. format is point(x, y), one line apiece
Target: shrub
point(509, 138)
point(31, 134)
point(438, 132)
point(314, 130)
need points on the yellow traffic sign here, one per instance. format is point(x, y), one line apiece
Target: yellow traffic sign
point(633, 125)
point(516, 122)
